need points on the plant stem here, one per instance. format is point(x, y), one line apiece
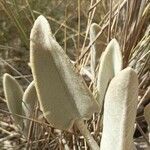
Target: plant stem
point(87, 135)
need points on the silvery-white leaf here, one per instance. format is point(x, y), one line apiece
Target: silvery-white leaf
point(28, 105)
point(29, 99)
point(147, 114)
point(120, 111)
point(62, 93)
point(13, 94)
point(98, 46)
point(110, 65)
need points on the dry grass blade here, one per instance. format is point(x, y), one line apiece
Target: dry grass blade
point(16, 21)
point(4, 61)
point(94, 5)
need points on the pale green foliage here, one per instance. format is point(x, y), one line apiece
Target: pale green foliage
point(147, 114)
point(110, 65)
point(97, 47)
point(29, 99)
point(19, 103)
point(13, 93)
point(62, 93)
point(120, 111)
point(28, 105)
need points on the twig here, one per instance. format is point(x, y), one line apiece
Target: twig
point(16, 135)
point(5, 62)
point(92, 7)
point(143, 134)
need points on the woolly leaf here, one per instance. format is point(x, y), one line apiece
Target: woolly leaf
point(110, 65)
point(13, 94)
point(29, 102)
point(98, 46)
point(29, 99)
point(120, 111)
point(62, 93)
point(147, 114)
